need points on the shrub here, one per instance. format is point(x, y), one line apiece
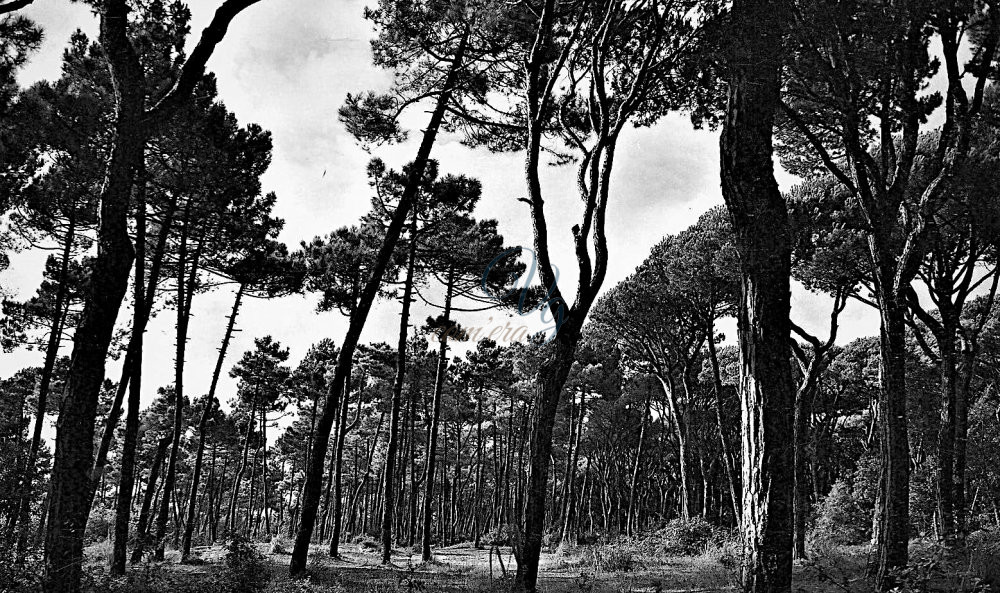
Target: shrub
point(682, 537)
point(984, 557)
point(245, 569)
point(23, 578)
point(841, 520)
point(277, 545)
point(615, 558)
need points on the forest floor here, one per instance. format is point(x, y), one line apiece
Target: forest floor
point(586, 569)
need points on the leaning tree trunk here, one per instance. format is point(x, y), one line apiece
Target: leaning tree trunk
point(732, 477)
point(142, 528)
point(74, 442)
point(185, 289)
point(210, 403)
point(397, 395)
point(550, 378)
point(314, 476)
point(59, 312)
point(126, 482)
point(760, 224)
point(442, 371)
point(133, 355)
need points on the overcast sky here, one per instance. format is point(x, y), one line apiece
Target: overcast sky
point(287, 66)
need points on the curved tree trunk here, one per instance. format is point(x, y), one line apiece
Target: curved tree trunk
point(760, 224)
point(74, 443)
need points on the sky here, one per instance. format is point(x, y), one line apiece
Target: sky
point(287, 65)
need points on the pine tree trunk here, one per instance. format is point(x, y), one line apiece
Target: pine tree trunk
point(732, 476)
point(142, 529)
point(397, 393)
point(760, 224)
point(442, 370)
point(185, 284)
point(630, 517)
point(314, 476)
point(22, 515)
point(74, 454)
point(892, 517)
point(210, 403)
point(130, 442)
point(551, 376)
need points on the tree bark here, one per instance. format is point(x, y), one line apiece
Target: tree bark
point(74, 453)
point(760, 224)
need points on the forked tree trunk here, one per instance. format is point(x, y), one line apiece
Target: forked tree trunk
point(71, 483)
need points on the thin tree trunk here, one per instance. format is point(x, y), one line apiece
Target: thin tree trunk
point(210, 403)
point(314, 477)
point(442, 370)
point(142, 529)
point(397, 393)
point(630, 517)
point(127, 473)
point(732, 477)
point(59, 308)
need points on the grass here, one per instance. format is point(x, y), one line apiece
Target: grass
point(624, 566)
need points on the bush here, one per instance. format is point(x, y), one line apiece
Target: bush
point(245, 569)
point(277, 545)
point(683, 537)
point(984, 557)
point(23, 578)
point(615, 558)
point(841, 520)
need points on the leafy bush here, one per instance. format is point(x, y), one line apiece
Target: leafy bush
point(984, 557)
point(277, 545)
point(615, 558)
point(841, 520)
point(683, 537)
point(23, 578)
point(245, 569)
